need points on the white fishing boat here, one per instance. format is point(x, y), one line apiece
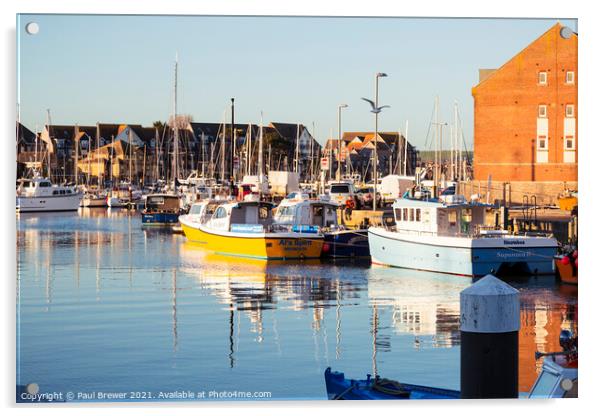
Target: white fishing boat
point(433, 236)
point(322, 215)
point(40, 195)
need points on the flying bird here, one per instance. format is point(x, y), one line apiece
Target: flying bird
point(375, 109)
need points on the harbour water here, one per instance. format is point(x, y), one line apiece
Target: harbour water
point(105, 306)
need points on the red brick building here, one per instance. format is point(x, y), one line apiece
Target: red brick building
point(525, 115)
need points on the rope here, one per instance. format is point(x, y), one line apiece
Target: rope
point(391, 387)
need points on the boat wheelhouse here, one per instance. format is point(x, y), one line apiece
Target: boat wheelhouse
point(161, 209)
point(40, 195)
point(323, 215)
point(247, 229)
point(433, 236)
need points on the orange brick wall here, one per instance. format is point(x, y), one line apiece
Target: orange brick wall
point(506, 109)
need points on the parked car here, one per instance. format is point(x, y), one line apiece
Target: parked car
point(341, 192)
point(366, 197)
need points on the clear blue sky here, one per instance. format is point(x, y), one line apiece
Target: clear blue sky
point(119, 69)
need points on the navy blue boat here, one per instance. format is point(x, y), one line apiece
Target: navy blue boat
point(161, 209)
point(346, 243)
point(340, 388)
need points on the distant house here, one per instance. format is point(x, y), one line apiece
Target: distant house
point(525, 116)
point(357, 150)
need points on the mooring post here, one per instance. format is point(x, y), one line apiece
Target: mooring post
point(489, 324)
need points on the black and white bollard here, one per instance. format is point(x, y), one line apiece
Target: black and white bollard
point(489, 324)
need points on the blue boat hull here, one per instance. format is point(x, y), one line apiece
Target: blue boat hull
point(467, 261)
point(340, 388)
point(160, 218)
point(346, 243)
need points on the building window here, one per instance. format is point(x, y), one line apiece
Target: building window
point(543, 111)
point(569, 143)
point(570, 110)
point(570, 77)
point(542, 143)
point(543, 78)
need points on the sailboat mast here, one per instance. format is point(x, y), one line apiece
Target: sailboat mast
point(98, 153)
point(203, 154)
point(405, 149)
point(223, 150)
point(297, 151)
point(130, 153)
point(176, 140)
point(260, 156)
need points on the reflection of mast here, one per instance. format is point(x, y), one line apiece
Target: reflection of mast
point(338, 320)
point(231, 339)
point(77, 258)
point(97, 264)
point(374, 332)
point(174, 309)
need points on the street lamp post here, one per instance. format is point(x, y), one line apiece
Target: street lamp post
point(376, 110)
point(341, 106)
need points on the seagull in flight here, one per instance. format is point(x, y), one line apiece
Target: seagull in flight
point(375, 109)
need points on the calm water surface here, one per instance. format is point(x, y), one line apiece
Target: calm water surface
point(105, 306)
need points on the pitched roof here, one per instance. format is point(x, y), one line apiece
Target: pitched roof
point(25, 135)
point(553, 31)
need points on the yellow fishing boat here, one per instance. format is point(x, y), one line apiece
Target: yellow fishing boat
point(247, 229)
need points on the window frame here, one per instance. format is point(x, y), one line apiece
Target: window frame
point(545, 111)
point(566, 111)
point(545, 78)
point(545, 140)
point(572, 76)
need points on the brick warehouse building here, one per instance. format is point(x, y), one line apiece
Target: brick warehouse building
point(525, 118)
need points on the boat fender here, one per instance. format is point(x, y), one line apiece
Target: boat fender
point(325, 247)
point(565, 260)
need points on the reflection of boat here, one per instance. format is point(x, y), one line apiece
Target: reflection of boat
point(340, 388)
point(40, 195)
point(246, 229)
point(567, 267)
point(339, 241)
point(161, 209)
point(454, 239)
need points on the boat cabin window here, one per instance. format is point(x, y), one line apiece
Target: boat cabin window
point(340, 189)
point(264, 212)
point(220, 213)
point(68, 191)
point(44, 185)
point(405, 214)
point(398, 214)
point(411, 214)
point(544, 386)
point(452, 218)
point(55, 192)
point(286, 211)
point(417, 214)
point(195, 209)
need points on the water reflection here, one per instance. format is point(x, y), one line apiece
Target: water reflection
point(97, 275)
